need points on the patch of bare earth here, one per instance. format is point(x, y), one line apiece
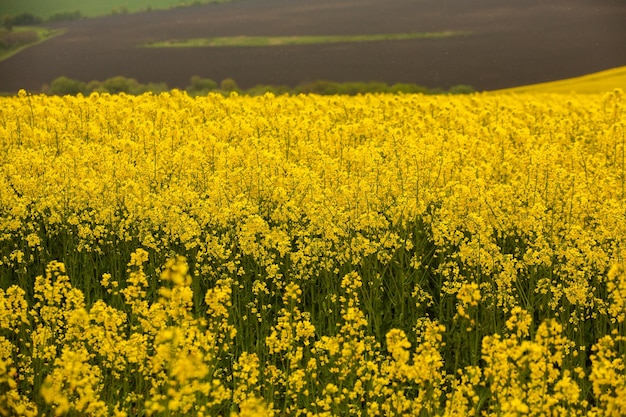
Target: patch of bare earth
point(511, 43)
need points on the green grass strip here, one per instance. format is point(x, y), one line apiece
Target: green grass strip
point(234, 41)
point(93, 8)
point(43, 35)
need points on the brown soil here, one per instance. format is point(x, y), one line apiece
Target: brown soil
point(512, 42)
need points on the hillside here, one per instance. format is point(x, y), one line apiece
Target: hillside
point(503, 44)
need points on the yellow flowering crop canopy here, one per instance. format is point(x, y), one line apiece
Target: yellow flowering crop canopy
point(312, 255)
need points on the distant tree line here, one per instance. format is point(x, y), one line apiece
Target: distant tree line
point(114, 85)
point(203, 86)
point(29, 19)
point(24, 19)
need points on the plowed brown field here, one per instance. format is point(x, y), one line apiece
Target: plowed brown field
point(511, 42)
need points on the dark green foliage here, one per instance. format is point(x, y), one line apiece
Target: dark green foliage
point(406, 88)
point(462, 89)
point(202, 86)
point(23, 19)
point(152, 88)
point(363, 88)
point(259, 90)
point(324, 87)
point(318, 87)
point(96, 87)
point(116, 85)
point(120, 84)
point(229, 85)
point(64, 85)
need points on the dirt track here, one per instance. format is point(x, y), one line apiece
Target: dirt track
point(512, 42)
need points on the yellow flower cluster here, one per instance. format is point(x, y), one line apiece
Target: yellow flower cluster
point(313, 256)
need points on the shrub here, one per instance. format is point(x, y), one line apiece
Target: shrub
point(462, 89)
point(96, 87)
point(321, 87)
point(229, 85)
point(152, 87)
point(201, 86)
point(354, 88)
point(259, 90)
point(198, 85)
point(25, 19)
point(67, 86)
point(121, 84)
point(369, 87)
point(407, 88)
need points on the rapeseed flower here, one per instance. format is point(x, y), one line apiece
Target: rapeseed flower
point(308, 255)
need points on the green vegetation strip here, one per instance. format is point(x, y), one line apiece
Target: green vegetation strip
point(231, 41)
point(49, 9)
point(17, 34)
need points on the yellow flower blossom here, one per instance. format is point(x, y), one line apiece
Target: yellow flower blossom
point(312, 255)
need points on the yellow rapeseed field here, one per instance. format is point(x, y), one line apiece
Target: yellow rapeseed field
point(597, 82)
point(375, 255)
